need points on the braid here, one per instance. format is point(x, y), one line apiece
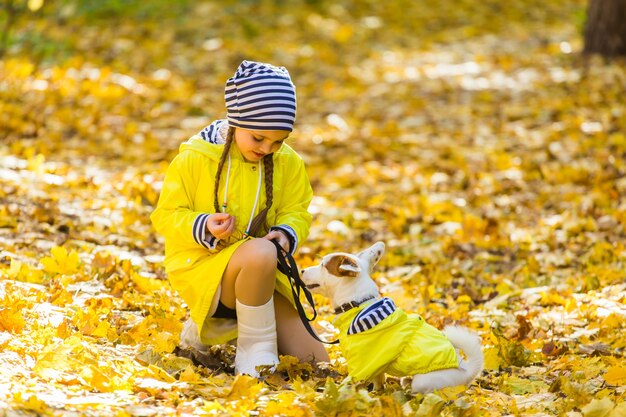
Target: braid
point(268, 164)
point(259, 220)
point(229, 140)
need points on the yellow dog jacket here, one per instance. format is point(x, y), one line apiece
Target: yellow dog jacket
point(378, 337)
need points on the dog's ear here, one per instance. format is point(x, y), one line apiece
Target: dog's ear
point(342, 266)
point(372, 255)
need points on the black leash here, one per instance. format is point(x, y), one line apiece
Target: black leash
point(287, 265)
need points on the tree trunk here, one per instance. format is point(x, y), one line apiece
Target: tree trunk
point(605, 30)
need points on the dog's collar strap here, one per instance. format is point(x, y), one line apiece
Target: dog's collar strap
point(352, 304)
point(372, 315)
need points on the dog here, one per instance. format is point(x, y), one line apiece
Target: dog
point(377, 338)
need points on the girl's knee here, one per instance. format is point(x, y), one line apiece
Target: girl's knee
point(259, 253)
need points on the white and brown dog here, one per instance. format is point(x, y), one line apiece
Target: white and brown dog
point(377, 338)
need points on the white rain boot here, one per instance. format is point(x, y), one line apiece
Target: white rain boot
point(190, 337)
point(256, 341)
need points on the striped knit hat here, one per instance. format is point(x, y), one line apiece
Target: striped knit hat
point(260, 97)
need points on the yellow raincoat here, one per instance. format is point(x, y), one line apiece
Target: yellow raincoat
point(399, 345)
point(195, 271)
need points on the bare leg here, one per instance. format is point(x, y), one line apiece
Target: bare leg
point(250, 275)
point(293, 338)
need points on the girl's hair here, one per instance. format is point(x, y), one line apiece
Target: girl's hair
point(268, 164)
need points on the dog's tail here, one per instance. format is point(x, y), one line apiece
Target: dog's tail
point(470, 343)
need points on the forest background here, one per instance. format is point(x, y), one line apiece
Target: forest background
point(472, 137)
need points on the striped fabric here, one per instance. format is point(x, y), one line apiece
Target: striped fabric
point(260, 97)
point(200, 234)
point(371, 315)
point(215, 132)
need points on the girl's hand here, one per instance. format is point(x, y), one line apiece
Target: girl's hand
point(280, 237)
point(221, 225)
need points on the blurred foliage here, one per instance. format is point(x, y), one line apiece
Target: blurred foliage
point(407, 23)
point(108, 11)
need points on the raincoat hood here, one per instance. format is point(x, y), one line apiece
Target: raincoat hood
point(209, 141)
point(197, 144)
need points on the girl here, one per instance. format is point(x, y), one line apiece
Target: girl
point(232, 189)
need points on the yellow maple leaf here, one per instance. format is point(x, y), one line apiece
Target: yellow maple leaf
point(431, 406)
point(213, 407)
point(102, 330)
point(56, 358)
point(612, 321)
point(293, 366)
point(14, 269)
point(7, 219)
point(21, 272)
point(616, 375)
point(104, 263)
point(189, 375)
point(61, 262)
point(160, 374)
point(31, 403)
point(164, 342)
point(244, 386)
point(285, 404)
point(147, 285)
point(451, 393)
point(95, 378)
point(12, 318)
point(598, 408)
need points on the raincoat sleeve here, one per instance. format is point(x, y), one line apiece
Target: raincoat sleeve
point(292, 215)
point(174, 216)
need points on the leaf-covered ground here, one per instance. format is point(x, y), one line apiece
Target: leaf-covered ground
point(470, 137)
